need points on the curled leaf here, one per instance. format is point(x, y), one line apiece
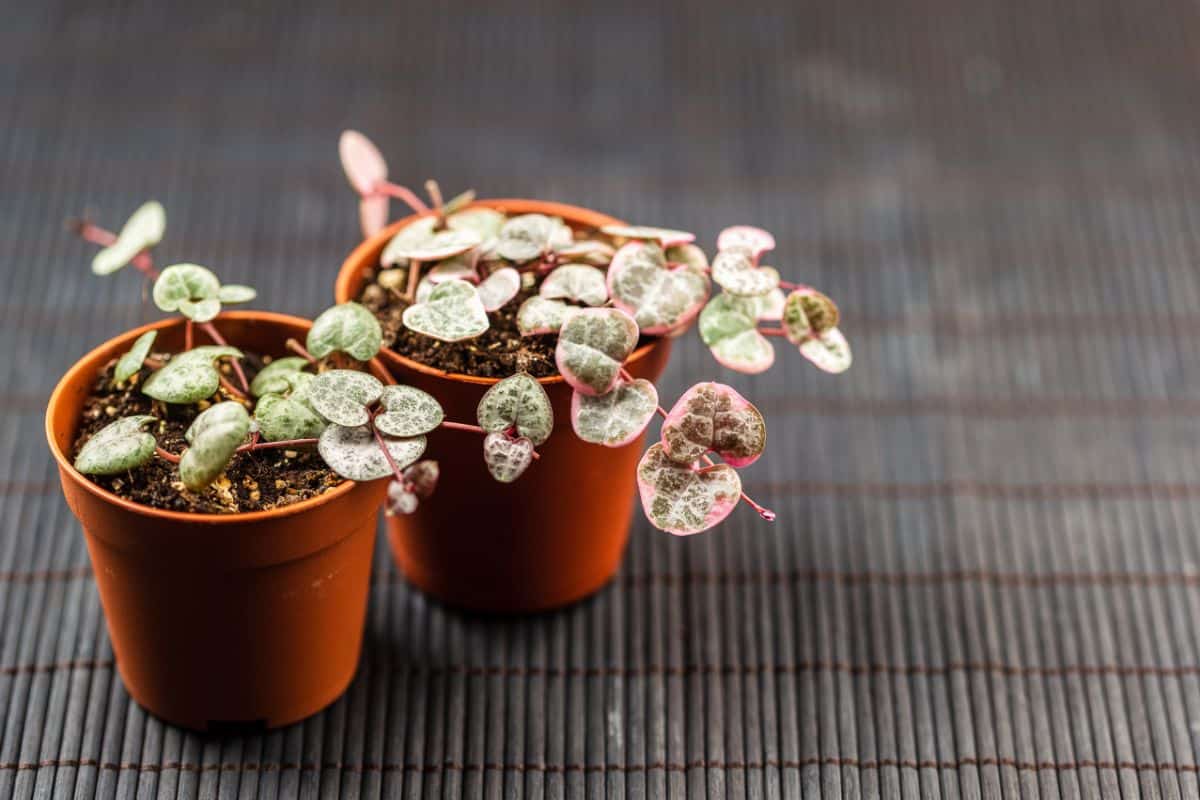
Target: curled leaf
point(143, 230)
point(343, 395)
point(683, 500)
point(189, 289)
point(362, 161)
point(745, 237)
point(537, 315)
point(355, 453)
point(131, 362)
point(451, 312)
point(579, 283)
point(518, 402)
point(373, 214)
point(735, 272)
point(728, 325)
point(806, 312)
point(507, 459)
point(282, 418)
point(828, 350)
point(420, 242)
point(214, 435)
point(423, 476)
point(666, 237)
point(117, 447)
point(346, 327)
point(190, 376)
point(277, 377)
point(592, 346)
point(588, 251)
point(712, 416)
point(617, 418)
point(498, 288)
point(529, 236)
point(485, 223)
point(660, 299)
point(408, 411)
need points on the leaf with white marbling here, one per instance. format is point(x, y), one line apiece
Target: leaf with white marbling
point(682, 499)
point(143, 230)
point(658, 298)
point(712, 416)
point(519, 402)
point(117, 447)
point(592, 346)
point(498, 288)
point(451, 312)
point(213, 437)
point(348, 328)
point(507, 459)
point(355, 453)
point(617, 418)
point(132, 361)
point(408, 411)
point(579, 283)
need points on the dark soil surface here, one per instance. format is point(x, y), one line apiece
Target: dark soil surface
point(254, 481)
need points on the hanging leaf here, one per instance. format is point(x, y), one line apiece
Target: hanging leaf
point(373, 214)
point(132, 361)
point(529, 236)
point(744, 237)
point(400, 500)
point(408, 411)
point(682, 500)
point(423, 476)
point(117, 447)
point(588, 251)
point(420, 242)
point(828, 350)
point(189, 377)
point(362, 161)
point(485, 223)
point(735, 272)
point(712, 416)
point(665, 237)
point(728, 325)
point(617, 418)
point(579, 283)
point(452, 312)
point(348, 328)
point(518, 402)
point(498, 288)
point(592, 346)
point(689, 255)
point(507, 459)
point(807, 312)
point(658, 298)
point(142, 231)
point(355, 454)
point(343, 395)
point(276, 377)
point(213, 437)
point(537, 315)
point(189, 289)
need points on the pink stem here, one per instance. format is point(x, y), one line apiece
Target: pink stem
point(402, 193)
point(435, 196)
point(791, 287)
point(298, 349)
point(462, 426)
point(187, 334)
point(166, 456)
point(215, 335)
point(257, 445)
point(414, 273)
point(772, 331)
point(399, 473)
point(233, 390)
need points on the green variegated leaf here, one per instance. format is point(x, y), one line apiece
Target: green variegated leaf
point(343, 395)
point(735, 272)
point(189, 377)
point(355, 453)
point(420, 242)
point(689, 255)
point(684, 500)
point(213, 437)
point(769, 306)
point(409, 412)
point(592, 346)
point(538, 315)
point(200, 310)
point(143, 230)
point(349, 328)
point(132, 361)
point(282, 418)
point(617, 418)
point(276, 377)
point(507, 459)
point(728, 326)
point(665, 237)
point(807, 312)
point(579, 283)
point(236, 293)
point(485, 223)
point(517, 402)
point(658, 298)
point(452, 312)
point(117, 447)
point(185, 283)
point(529, 236)
point(712, 416)
point(498, 288)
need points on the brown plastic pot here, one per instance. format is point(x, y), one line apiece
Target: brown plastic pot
point(552, 537)
point(224, 619)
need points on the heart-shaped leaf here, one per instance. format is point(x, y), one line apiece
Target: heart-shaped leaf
point(807, 312)
point(373, 212)
point(579, 283)
point(117, 447)
point(452, 312)
point(745, 237)
point(400, 500)
point(507, 458)
point(190, 376)
point(420, 242)
point(617, 418)
point(592, 345)
point(498, 288)
point(666, 237)
point(423, 476)
point(362, 161)
point(213, 437)
point(236, 293)
point(712, 416)
point(828, 350)
point(518, 402)
point(355, 454)
point(200, 310)
point(769, 306)
point(736, 273)
point(190, 289)
point(282, 418)
point(537, 315)
point(588, 251)
point(277, 377)
point(343, 395)
point(143, 230)
point(408, 411)
point(457, 267)
point(660, 299)
point(347, 327)
point(131, 362)
point(684, 500)
point(689, 255)
point(485, 223)
point(728, 325)
point(529, 236)
point(425, 288)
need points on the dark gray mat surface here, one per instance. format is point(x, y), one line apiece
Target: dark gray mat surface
point(985, 581)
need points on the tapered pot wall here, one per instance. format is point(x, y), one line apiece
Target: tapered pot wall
point(224, 620)
point(555, 535)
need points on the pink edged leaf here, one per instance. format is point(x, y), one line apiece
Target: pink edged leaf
point(756, 240)
point(588, 251)
point(483, 222)
point(537, 315)
point(498, 288)
point(728, 326)
point(420, 241)
point(713, 416)
point(735, 272)
point(373, 214)
point(683, 500)
point(507, 459)
point(666, 237)
point(828, 350)
point(769, 307)
point(518, 403)
point(529, 236)
point(617, 418)
point(807, 312)
point(451, 312)
point(423, 476)
point(457, 267)
point(400, 500)
point(362, 161)
point(658, 298)
point(579, 283)
point(592, 345)
point(689, 255)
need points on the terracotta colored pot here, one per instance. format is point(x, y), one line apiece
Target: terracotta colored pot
point(555, 535)
point(221, 619)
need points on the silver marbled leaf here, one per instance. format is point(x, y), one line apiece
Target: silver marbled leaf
point(728, 325)
point(659, 298)
point(617, 418)
point(712, 416)
point(507, 459)
point(420, 241)
point(579, 283)
point(451, 312)
point(343, 395)
point(348, 328)
point(519, 402)
point(355, 453)
point(683, 499)
point(117, 447)
point(735, 272)
point(592, 346)
point(529, 236)
point(213, 437)
point(498, 288)
point(144, 229)
point(189, 376)
point(277, 377)
point(282, 418)
point(189, 289)
point(131, 362)
point(537, 315)
point(408, 411)
point(485, 223)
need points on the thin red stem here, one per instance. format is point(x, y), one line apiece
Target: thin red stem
point(298, 349)
point(216, 336)
point(257, 445)
point(791, 287)
point(404, 194)
point(399, 473)
point(233, 390)
point(772, 331)
point(462, 426)
point(414, 274)
point(166, 455)
point(187, 334)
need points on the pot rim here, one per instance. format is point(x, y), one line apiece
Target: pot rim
point(365, 251)
point(67, 467)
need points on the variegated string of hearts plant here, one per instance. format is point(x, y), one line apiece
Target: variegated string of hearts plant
point(599, 292)
point(362, 429)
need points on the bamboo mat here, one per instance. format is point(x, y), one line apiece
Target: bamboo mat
point(985, 580)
